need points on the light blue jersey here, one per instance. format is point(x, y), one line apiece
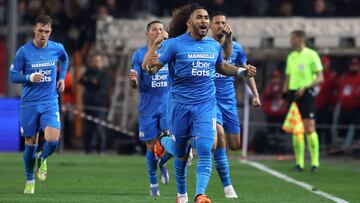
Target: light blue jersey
point(30, 59)
point(192, 71)
point(153, 89)
point(225, 84)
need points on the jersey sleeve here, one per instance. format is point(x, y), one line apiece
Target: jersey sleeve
point(219, 59)
point(136, 63)
point(64, 62)
point(167, 51)
point(241, 57)
point(316, 65)
point(17, 72)
point(18, 62)
point(287, 67)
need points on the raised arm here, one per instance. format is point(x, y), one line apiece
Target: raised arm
point(231, 70)
point(227, 46)
point(151, 58)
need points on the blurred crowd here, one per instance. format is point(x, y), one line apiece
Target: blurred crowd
point(75, 20)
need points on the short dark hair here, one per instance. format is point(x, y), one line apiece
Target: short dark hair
point(195, 6)
point(299, 33)
point(44, 20)
point(152, 22)
point(218, 13)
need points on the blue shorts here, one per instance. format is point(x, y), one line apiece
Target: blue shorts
point(39, 116)
point(227, 116)
point(192, 120)
point(151, 126)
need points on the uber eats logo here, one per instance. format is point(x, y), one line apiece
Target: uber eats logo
point(47, 75)
point(159, 80)
point(200, 68)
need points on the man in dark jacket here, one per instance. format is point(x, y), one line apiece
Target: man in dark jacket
point(95, 100)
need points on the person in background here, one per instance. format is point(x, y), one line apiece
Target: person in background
point(274, 105)
point(349, 98)
point(303, 73)
point(325, 102)
point(95, 81)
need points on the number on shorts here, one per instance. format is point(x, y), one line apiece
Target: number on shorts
point(213, 123)
point(58, 116)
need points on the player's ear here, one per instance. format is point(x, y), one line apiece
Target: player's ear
point(188, 22)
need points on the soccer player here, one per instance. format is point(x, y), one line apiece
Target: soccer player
point(194, 57)
point(228, 126)
point(303, 73)
point(35, 67)
point(153, 90)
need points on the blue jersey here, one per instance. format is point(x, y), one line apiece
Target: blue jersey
point(225, 84)
point(192, 69)
point(153, 89)
point(30, 59)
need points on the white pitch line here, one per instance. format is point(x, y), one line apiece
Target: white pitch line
point(291, 180)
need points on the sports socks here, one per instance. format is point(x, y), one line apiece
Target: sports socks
point(203, 170)
point(180, 169)
point(151, 167)
point(313, 145)
point(222, 166)
point(168, 144)
point(299, 149)
point(164, 159)
point(29, 161)
point(48, 149)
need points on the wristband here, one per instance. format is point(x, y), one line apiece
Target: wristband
point(31, 77)
point(241, 72)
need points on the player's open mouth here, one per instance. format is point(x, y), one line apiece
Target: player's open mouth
point(203, 28)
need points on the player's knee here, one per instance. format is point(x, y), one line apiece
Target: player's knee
point(309, 127)
point(150, 145)
point(30, 140)
point(220, 137)
point(234, 146)
point(52, 134)
point(234, 141)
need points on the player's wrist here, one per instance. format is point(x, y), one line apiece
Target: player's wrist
point(31, 77)
point(241, 72)
point(27, 78)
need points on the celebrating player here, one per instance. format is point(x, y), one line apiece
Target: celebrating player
point(191, 104)
point(153, 90)
point(227, 115)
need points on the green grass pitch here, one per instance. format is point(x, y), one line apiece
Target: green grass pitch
point(113, 178)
